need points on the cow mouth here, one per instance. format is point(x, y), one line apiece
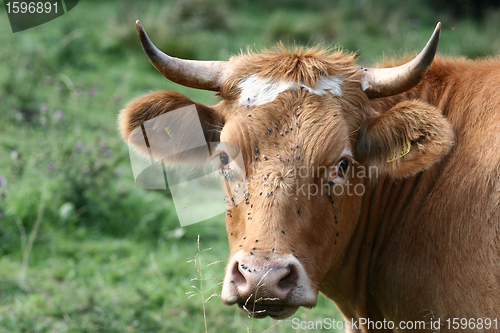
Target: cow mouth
point(262, 310)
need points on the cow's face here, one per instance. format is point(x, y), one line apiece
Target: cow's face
point(298, 144)
point(310, 139)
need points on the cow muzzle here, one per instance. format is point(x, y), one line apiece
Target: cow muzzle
point(267, 284)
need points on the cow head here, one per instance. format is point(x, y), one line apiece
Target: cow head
point(310, 138)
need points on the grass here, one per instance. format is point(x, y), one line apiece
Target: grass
point(199, 264)
point(100, 284)
point(82, 249)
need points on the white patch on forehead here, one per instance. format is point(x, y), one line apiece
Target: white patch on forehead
point(331, 84)
point(258, 91)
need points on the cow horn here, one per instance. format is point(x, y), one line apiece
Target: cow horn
point(383, 82)
point(207, 75)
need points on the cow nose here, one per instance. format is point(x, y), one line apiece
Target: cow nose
point(272, 284)
point(274, 280)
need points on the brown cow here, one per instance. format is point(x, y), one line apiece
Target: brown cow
point(379, 188)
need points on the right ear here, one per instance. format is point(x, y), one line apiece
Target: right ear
point(167, 124)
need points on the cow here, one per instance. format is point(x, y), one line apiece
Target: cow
point(378, 187)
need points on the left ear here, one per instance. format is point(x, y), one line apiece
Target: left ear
point(169, 126)
point(408, 138)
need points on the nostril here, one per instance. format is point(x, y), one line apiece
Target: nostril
point(237, 277)
point(289, 281)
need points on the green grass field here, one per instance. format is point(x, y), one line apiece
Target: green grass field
point(82, 248)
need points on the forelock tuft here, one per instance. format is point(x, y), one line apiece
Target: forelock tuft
point(291, 63)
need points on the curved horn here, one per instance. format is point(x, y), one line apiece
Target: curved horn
point(382, 82)
point(207, 75)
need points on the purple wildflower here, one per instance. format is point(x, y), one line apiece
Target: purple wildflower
point(3, 180)
point(58, 114)
point(79, 145)
point(50, 166)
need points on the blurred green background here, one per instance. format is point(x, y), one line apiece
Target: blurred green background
point(82, 249)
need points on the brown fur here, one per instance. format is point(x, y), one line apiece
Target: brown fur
point(423, 240)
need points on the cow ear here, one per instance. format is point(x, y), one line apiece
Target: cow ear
point(408, 138)
point(167, 125)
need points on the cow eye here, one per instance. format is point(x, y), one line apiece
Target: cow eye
point(342, 167)
point(224, 159)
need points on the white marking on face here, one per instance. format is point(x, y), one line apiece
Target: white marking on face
point(258, 91)
point(331, 84)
